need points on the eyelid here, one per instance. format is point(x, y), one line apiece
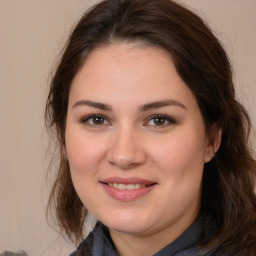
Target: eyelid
point(87, 117)
point(170, 120)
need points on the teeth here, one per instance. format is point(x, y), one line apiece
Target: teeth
point(122, 186)
point(126, 186)
point(130, 186)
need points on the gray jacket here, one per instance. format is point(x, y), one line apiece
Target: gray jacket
point(98, 243)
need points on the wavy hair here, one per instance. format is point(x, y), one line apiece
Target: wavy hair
point(228, 196)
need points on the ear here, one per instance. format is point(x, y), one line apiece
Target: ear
point(212, 142)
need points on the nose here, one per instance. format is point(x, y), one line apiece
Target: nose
point(126, 150)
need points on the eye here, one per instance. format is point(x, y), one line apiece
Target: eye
point(160, 120)
point(95, 120)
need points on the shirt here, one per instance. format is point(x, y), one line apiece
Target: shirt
point(99, 243)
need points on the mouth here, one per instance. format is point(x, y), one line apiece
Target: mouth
point(121, 186)
point(127, 189)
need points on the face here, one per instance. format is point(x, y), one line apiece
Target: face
point(136, 141)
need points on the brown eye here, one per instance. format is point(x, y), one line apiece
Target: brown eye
point(160, 120)
point(98, 120)
point(95, 120)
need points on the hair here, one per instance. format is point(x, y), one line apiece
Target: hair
point(228, 196)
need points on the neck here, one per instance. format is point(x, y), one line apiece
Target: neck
point(147, 244)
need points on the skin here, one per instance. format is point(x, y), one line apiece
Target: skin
point(126, 141)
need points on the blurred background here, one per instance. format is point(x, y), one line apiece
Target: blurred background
point(32, 33)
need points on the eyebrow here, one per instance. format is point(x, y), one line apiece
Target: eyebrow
point(160, 104)
point(143, 108)
point(93, 104)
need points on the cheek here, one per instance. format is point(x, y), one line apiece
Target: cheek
point(182, 156)
point(84, 153)
point(84, 156)
point(181, 166)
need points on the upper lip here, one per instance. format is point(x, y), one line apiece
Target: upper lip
point(129, 180)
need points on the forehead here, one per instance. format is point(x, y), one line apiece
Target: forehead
point(124, 71)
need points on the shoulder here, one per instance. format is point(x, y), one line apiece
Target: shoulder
point(192, 252)
point(97, 243)
point(85, 248)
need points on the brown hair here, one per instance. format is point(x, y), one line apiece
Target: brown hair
point(228, 197)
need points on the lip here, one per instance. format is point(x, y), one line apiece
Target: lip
point(129, 180)
point(127, 195)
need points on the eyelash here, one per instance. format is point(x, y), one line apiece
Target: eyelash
point(165, 118)
point(86, 119)
point(153, 118)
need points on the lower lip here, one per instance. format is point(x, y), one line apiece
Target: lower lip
point(127, 195)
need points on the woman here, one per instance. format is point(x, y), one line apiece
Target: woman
point(152, 140)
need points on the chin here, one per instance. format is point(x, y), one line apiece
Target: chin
point(128, 229)
point(127, 225)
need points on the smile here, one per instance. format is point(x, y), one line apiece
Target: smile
point(121, 186)
point(127, 189)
